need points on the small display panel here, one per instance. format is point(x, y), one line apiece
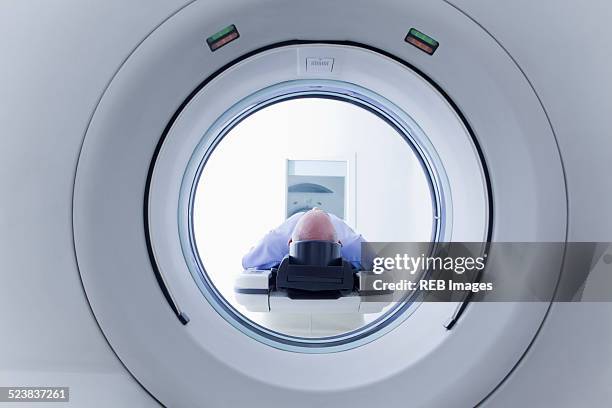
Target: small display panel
point(422, 41)
point(223, 37)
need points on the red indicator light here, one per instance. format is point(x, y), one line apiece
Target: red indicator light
point(421, 45)
point(225, 40)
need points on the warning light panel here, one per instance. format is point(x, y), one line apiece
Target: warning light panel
point(223, 37)
point(422, 41)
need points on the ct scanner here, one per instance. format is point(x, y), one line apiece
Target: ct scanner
point(111, 109)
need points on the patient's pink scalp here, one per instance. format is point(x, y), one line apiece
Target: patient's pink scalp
point(314, 225)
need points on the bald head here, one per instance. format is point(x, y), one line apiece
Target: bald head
point(314, 225)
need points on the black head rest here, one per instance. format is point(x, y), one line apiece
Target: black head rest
point(319, 253)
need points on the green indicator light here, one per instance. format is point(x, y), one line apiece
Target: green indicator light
point(222, 33)
point(223, 37)
point(421, 41)
point(424, 37)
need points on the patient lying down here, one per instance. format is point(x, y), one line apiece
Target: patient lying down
point(313, 225)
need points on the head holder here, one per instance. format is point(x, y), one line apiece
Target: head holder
point(315, 269)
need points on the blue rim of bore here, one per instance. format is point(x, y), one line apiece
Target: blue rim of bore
point(343, 91)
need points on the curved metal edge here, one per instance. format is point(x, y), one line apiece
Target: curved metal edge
point(563, 169)
point(74, 182)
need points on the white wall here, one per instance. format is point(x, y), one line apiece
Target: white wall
point(241, 195)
